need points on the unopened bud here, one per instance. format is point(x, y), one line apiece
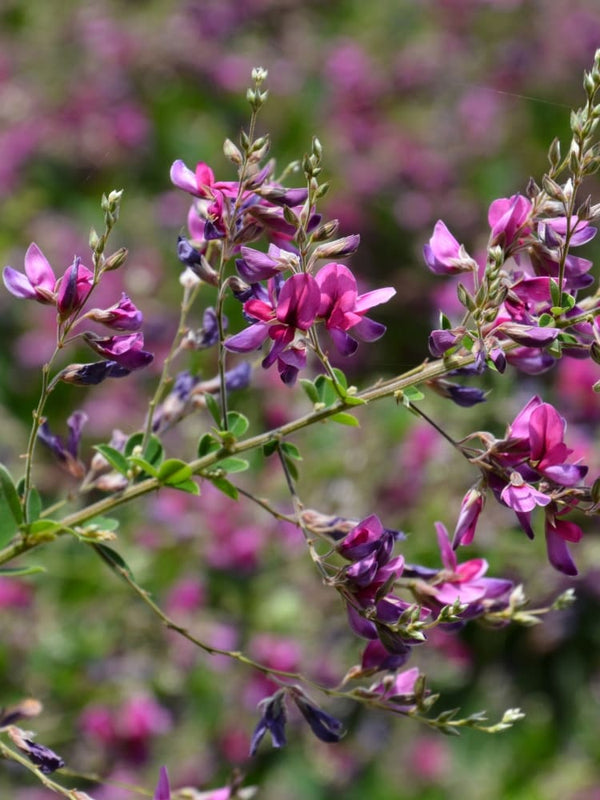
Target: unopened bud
point(339, 247)
point(232, 152)
point(116, 260)
point(326, 231)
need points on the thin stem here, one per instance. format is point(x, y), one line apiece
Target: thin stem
point(12, 755)
point(378, 391)
point(189, 296)
point(298, 508)
point(236, 655)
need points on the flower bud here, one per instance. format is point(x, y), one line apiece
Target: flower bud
point(116, 260)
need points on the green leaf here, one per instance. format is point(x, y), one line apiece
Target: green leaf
point(545, 320)
point(233, 464)
point(116, 459)
point(173, 470)
point(112, 558)
point(154, 451)
point(445, 323)
point(237, 423)
point(567, 301)
point(144, 465)
point(310, 390)
point(34, 505)
point(103, 524)
point(214, 409)
point(413, 394)
point(554, 292)
point(345, 419)
point(9, 492)
point(44, 527)
point(18, 572)
point(291, 450)
point(190, 486)
point(207, 444)
point(270, 447)
point(341, 378)
point(324, 386)
point(351, 400)
point(223, 485)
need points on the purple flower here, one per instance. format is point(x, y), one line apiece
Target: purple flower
point(67, 454)
point(463, 582)
point(400, 687)
point(256, 266)
point(343, 309)
point(126, 350)
point(163, 789)
point(46, 760)
point(470, 509)
point(465, 396)
point(376, 657)
point(123, 316)
point(558, 532)
point(92, 374)
point(442, 340)
point(366, 538)
point(521, 496)
point(73, 288)
point(273, 719)
point(529, 335)
point(507, 217)
point(39, 280)
point(444, 255)
point(279, 317)
point(323, 725)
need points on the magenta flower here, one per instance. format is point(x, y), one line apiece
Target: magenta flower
point(123, 316)
point(343, 309)
point(73, 288)
point(39, 280)
point(558, 533)
point(444, 255)
point(507, 217)
point(200, 183)
point(281, 317)
point(400, 688)
point(463, 582)
point(125, 350)
point(470, 509)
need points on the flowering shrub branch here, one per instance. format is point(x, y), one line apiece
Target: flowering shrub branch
point(519, 306)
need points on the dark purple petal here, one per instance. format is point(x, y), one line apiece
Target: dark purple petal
point(238, 377)
point(45, 759)
point(75, 425)
point(249, 339)
point(440, 341)
point(344, 343)
point(368, 330)
point(323, 725)
point(465, 396)
point(272, 720)
point(376, 656)
point(529, 335)
point(558, 552)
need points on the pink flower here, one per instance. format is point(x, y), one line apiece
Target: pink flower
point(39, 280)
point(280, 316)
point(507, 217)
point(521, 496)
point(470, 509)
point(464, 582)
point(444, 255)
point(343, 309)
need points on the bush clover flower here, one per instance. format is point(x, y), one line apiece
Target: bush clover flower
point(38, 282)
point(122, 316)
point(125, 350)
point(444, 255)
point(66, 453)
point(284, 316)
point(343, 309)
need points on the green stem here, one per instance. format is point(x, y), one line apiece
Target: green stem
point(189, 296)
point(11, 755)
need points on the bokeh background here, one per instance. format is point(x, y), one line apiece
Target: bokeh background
point(425, 110)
